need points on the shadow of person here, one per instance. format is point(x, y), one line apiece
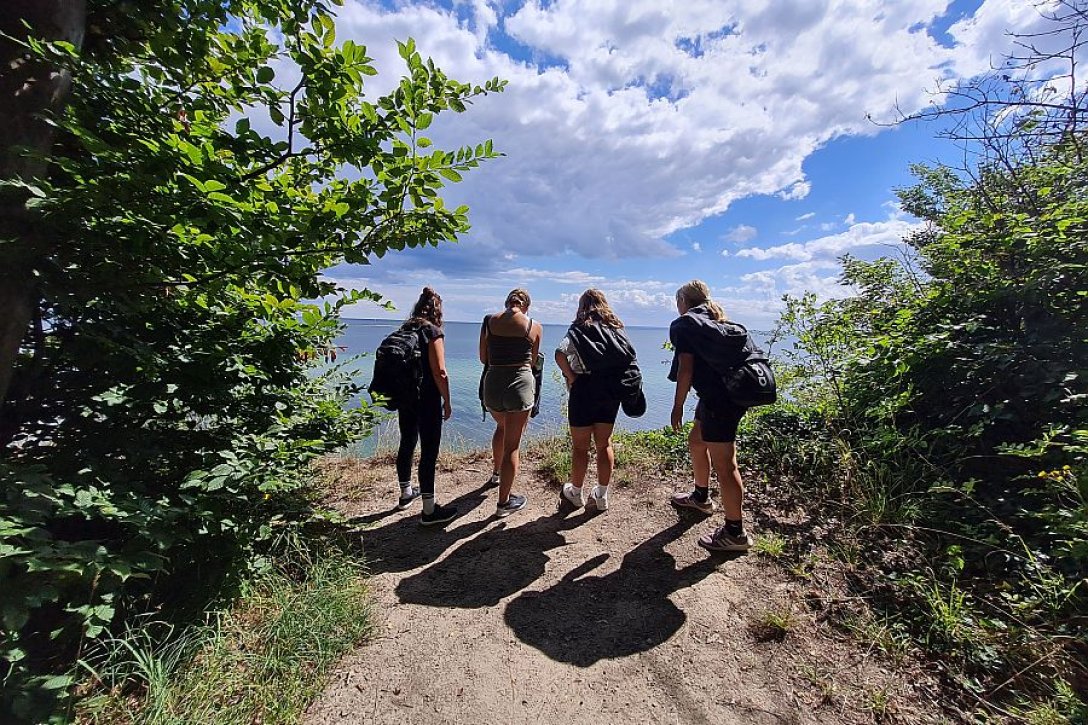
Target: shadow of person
point(494, 565)
point(404, 544)
point(368, 519)
point(583, 619)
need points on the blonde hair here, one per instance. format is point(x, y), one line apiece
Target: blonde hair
point(697, 293)
point(518, 298)
point(593, 307)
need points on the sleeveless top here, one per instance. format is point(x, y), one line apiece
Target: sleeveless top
point(504, 350)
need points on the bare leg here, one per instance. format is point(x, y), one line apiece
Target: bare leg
point(724, 457)
point(606, 457)
point(514, 427)
point(580, 440)
point(496, 444)
point(700, 456)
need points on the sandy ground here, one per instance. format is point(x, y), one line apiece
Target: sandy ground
point(555, 615)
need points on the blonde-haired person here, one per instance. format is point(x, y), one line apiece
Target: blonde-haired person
point(422, 422)
point(509, 343)
point(700, 336)
point(596, 339)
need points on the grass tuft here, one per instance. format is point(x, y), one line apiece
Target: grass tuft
point(770, 545)
point(773, 625)
point(263, 660)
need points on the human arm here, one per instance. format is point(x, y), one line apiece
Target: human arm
point(436, 353)
point(483, 342)
point(564, 367)
point(536, 334)
point(683, 387)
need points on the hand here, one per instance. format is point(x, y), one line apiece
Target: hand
point(570, 381)
point(447, 410)
point(677, 417)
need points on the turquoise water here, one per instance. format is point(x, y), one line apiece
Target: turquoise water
point(466, 429)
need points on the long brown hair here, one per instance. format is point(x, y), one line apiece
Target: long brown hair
point(428, 308)
point(593, 307)
point(697, 293)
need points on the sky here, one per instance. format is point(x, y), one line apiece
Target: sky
point(746, 143)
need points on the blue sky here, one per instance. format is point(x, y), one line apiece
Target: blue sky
point(651, 142)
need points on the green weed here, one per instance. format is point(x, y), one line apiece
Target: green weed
point(823, 681)
point(554, 455)
point(263, 660)
point(770, 545)
point(772, 625)
point(1064, 708)
point(879, 702)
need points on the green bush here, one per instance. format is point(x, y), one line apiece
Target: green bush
point(175, 386)
point(664, 449)
point(940, 410)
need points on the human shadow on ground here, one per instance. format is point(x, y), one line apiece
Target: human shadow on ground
point(368, 519)
point(494, 565)
point(583, 619)
point(404, 544)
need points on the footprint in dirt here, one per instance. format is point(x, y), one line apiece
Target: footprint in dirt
point(583, 619)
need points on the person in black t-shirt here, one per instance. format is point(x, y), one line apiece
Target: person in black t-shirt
point(423, 421)
point(697, 336)
point(591, 404)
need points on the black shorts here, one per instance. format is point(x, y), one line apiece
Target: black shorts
point(590, 403)
point(719, 422)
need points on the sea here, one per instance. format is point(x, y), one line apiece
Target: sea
point(468, 429)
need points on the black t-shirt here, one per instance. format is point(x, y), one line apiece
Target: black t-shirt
point(690, 333)
point(428, 333)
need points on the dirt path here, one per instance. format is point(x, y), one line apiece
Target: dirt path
point(562, 617)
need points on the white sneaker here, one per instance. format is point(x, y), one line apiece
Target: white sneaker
point(572, 497)
point(597, 500)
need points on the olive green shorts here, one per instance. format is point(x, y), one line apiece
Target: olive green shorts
point(509, 389)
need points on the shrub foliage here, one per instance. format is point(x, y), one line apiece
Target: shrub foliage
point(944, 404)
point(214, 158)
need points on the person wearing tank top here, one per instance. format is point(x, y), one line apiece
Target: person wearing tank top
point(509, 342)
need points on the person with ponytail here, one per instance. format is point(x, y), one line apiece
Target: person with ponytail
point(423, 422)
point(509, 344)
point(701, 338)
point(594, 351)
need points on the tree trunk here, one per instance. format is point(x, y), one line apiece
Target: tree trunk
point(29, 92)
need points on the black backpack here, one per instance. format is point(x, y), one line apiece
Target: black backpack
point(751, 383)
point(398, 368)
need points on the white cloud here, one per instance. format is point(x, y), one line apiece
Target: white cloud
point(571, 277)
point(696, 247)
point(804, 217)
point(651, 118)
point(796, 191)
point(890, 232)
point(741, 234)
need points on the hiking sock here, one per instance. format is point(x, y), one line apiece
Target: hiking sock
point(428, 503)
point(734, 528)
point(405, 488)
point(700, 494)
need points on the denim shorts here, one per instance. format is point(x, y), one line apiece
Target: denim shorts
point(509, 389)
